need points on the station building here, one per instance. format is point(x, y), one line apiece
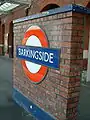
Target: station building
point(28, 8)
point(80, 23)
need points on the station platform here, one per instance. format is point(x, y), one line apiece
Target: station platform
point(11, 111)
point(8, 108)
point(84, 103)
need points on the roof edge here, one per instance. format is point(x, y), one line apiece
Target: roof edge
point(68, 8)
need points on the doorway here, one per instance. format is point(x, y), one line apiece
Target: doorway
point(2, 38)
point(10, 40)
point(49, 7)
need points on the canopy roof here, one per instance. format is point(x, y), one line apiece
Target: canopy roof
point(8, 5)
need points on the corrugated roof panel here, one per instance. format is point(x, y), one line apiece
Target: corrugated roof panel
point(8, 6)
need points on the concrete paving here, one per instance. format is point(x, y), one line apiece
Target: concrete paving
point(11, 111)
point(8, 108)
point(84, 105)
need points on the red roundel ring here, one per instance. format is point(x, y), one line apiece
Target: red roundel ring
point(34, 36)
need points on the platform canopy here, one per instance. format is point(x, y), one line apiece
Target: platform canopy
point(7, 6)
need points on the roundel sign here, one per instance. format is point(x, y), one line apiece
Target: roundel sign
point(36, 37)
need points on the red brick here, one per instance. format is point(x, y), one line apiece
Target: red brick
point(80, 27)
point(59, 92)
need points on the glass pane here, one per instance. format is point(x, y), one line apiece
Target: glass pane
point(8, 6)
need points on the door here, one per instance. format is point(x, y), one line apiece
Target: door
point(10, 40)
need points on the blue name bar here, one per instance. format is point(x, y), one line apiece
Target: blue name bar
point(44, 56)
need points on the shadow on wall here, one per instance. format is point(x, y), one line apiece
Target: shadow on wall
point(49, 6)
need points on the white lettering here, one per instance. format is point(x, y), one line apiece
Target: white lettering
point(51, 58)
point(46, 57)
point(38, 55)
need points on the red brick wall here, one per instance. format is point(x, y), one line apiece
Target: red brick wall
point(36, 7)
point(18, 13)
point(61, 87)
point(7, 19)
point(86, 40)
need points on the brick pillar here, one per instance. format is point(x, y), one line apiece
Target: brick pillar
point(58, 93)
point(71, 66)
